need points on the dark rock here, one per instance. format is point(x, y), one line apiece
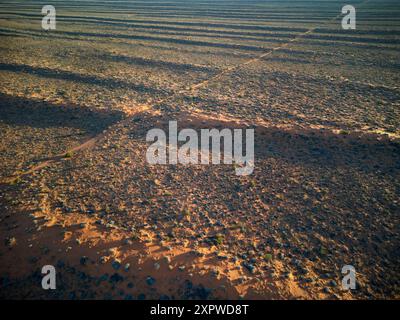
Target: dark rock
point(116, 278)
point(116, 264)
point(249, 267)
point(84, 260)
point(150, 280)
point(333, 283)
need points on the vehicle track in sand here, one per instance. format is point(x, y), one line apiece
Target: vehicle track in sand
point(131, 113)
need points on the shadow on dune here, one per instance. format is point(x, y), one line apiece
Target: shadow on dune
point(18, 111)
point(309, 147)
point(323, 148)
point(71, 35)
point(156, 64)
point(76, 77)
point(163, 23)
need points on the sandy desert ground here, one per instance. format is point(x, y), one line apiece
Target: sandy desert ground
point(76, 191)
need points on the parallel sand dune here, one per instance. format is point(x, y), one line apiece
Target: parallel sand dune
point(77, 192)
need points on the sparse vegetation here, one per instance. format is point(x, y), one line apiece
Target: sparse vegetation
point(288, 71)
point(268, 257)
point(218, 239)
